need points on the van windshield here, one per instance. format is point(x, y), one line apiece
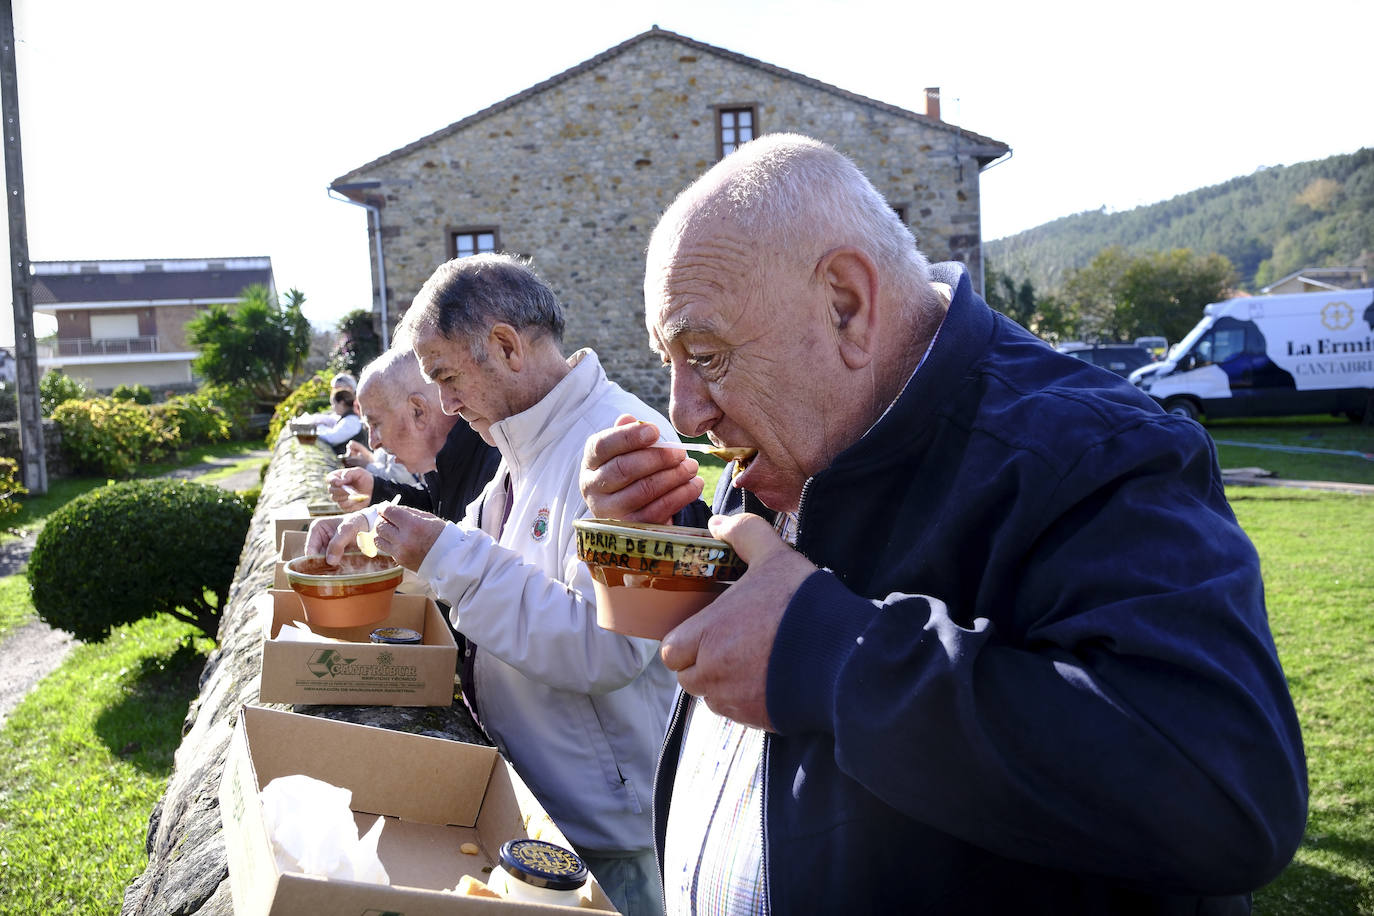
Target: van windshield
point(1186, 344)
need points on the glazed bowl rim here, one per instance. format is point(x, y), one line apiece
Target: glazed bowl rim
point(357, 578)
point(676, 534)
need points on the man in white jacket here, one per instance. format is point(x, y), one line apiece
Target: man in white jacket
point(579, 711)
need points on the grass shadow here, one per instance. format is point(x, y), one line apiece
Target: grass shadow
point(1315, 890)
point(144, 727)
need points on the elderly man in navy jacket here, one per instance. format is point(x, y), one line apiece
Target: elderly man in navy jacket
point(1001, 647)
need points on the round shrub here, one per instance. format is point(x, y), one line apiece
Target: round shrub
point(134, 549)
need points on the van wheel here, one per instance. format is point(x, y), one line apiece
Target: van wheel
point(1182, 407)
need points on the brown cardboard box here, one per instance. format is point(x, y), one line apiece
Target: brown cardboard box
point(358, 672)
point(435, 795)
point(294, 516)
point(292, 545)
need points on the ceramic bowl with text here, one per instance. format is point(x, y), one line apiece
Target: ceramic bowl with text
point(356, 592)
point(649, 578)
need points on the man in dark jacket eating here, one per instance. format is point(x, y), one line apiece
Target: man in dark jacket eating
point(1001, 647)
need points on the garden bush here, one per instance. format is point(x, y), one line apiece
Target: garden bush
point(9, 487)
point(139, 394)
point(311, 397)
point(105, 436)
point(134, 549)
point(9, 402)
point(238, 404)
point(56, 388)
point(196, 418)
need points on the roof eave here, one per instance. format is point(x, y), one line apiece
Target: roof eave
point(984, 148)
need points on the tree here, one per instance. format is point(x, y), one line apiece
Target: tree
point(260, 343)
point(358, 343)
point(1120, 296)
point(1164, 292)
point(1016, 302)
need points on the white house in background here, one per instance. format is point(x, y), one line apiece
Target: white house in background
point(124, 322)
point(1321, 280)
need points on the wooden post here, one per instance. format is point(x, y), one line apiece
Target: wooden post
point(35, 465)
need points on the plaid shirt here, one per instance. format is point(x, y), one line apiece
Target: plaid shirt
point(712, 862)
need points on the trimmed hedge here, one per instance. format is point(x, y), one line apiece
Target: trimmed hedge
point(134, 549)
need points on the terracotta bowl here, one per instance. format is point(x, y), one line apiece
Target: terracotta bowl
point(649, 578)
point(356, 592)
point(305, 433)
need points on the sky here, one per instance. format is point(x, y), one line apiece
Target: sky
point(192, 129)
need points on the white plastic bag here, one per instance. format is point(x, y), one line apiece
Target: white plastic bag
point(312, 830)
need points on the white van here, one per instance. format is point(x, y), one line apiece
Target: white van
point(1271, 356)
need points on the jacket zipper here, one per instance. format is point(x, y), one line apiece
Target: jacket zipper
point(674, 723)
point(763, 828)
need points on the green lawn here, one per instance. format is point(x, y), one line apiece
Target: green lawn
point(1327, 434)
point(88, 752)
point(87, 755)
point(1315, 550)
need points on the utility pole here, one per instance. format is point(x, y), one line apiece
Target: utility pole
point(35, 463)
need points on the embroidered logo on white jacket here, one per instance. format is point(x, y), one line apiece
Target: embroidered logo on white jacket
point(540, 529)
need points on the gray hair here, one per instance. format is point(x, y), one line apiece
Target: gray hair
point(397, 374)
point(804, 197)
point(466, 297)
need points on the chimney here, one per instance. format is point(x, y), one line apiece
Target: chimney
point(933, 102)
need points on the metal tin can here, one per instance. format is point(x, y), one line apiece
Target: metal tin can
point(397, 636)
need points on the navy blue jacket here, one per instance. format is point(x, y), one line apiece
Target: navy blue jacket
point(1034, 673)
point(462, 469)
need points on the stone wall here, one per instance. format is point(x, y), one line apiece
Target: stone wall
point(187, 871)
point(576, 174)
point(54, 459)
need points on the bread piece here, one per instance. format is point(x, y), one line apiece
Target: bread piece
point(472, 887)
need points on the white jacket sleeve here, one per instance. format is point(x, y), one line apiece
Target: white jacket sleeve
point(543, 627)
point(346, 428)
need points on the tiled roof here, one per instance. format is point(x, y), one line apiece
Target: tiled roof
point(74, 282)
point(989, 149)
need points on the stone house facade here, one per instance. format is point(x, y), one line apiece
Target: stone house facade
point(574, 172)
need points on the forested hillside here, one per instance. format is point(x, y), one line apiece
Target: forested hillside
point(1268, 224)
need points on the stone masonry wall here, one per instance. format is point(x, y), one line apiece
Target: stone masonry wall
point(187, 872)
point(575, 176)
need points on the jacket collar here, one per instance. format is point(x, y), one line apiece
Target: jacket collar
point(522, 436)
point(961, 338)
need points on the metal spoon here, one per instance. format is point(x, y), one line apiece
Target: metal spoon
point(724, 454)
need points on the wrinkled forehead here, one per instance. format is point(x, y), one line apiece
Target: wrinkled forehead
point(699, 277)
point(433, 351)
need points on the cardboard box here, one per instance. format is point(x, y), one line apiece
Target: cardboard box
point(291, 544)
point(359, 672)
point(293, 516)
point(435, 796)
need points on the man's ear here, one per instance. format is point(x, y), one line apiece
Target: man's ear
point(506, 344)
point(419, 410)
point(850, 281)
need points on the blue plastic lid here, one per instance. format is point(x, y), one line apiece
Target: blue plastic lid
point(543, 864)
